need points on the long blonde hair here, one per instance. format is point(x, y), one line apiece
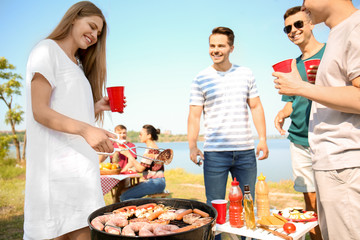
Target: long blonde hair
point(93, 58)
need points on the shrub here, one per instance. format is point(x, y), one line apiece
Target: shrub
point(9, 169)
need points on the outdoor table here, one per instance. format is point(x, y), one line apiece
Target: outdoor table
point(301, 229)
point(118, 183)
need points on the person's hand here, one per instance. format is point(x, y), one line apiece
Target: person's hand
point(262, 147)
point(104, 104)
point(194, 153)
point(279, 122)
point(98, 139)
point(125, 151)
point(289, 84)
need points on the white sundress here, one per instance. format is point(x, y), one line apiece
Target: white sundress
point(62, 170)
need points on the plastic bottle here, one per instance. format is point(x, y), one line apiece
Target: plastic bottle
point(235, 208)
point(249, 209)
point(262, 197)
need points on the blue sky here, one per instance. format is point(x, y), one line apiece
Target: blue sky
point(156, 47)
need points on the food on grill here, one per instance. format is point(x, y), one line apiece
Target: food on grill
point(139, 220)
point(116, 220)
point(166, 156)
point(165, 229)
point(191, 218)
point(202, 213)
point(168, 215)
point(202, 221)
point(183, 213)
point(150, 220)
point(184, 229)
point(155, 215)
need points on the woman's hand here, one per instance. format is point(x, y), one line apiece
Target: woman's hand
point(98, 138)
point(102, 105)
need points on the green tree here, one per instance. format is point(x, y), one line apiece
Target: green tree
point(9, 87)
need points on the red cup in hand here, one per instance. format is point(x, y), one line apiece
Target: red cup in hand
point(311, 75)
point(283, 66)
point(220, 206)
point(116, 98)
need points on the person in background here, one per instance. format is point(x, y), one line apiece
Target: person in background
point(62, 171)
point(118, 157)
point(153, 172)
point(298, 28)
point(334, 127)
point(223, 91)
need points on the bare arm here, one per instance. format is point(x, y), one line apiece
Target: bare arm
point(281, 116)
point(343, 99)
point(132, 163)
point(258, 116)
point(193, 131)
point(41, 91)
point(102, 158)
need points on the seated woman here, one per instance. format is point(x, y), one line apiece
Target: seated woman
point(153, 172)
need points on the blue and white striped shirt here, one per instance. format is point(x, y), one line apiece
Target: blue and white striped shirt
point(224, 96)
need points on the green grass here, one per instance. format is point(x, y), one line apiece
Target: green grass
point(180, 183)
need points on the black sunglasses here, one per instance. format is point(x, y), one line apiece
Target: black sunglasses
point(297, 24)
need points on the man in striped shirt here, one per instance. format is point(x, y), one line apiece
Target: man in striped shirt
point(223, 91)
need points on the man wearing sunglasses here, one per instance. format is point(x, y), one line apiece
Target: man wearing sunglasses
point(334, 129)
point(298, 28)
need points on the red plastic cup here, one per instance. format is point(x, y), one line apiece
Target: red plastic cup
point(283, 66)
point(116, 98)
point(220, 206)
point(308, 63)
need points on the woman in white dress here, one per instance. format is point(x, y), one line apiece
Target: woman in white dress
point(65, 81)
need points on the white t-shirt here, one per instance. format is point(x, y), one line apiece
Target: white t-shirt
point(334, 136)
point(224, 96)
point(62, 170)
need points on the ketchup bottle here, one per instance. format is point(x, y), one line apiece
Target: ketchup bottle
point(235, 208)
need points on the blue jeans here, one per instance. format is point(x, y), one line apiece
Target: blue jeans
point(217, 165)
point(151, 186)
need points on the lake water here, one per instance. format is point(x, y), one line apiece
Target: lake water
point(277, 167)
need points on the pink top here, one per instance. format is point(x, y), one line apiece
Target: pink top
point(123, 160)
point(152, 169)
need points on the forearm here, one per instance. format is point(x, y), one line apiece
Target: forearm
point(258, 117)
point(287, 110)
point(193, 132)
point(139, 168)
point(59, 122)
point(343, 99)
